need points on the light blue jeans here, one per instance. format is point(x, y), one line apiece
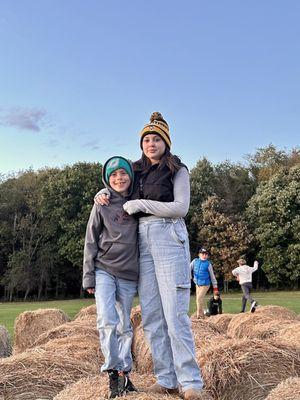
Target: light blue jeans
point(114, 297)
point(164, 290)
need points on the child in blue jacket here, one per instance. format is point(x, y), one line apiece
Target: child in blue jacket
point(203, 277)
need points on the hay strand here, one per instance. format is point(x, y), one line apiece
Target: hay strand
point(289, 389)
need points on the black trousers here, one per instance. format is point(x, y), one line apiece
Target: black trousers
point(246, 288)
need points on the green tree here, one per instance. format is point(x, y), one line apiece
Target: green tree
point(226, 237)
point(274, 212)
point(267, 161)
point(25, 231)
point(202, 183)
point(67, 201)
point(234, 184)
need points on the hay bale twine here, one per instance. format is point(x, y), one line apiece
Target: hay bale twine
point(136, 316)
point(141, 351)
point(86, 312)
point(41, 373)
point(277, 312)
point(68, 330)
point(287, 390)
point(247, 369)
point(5, 343)
point(30, 324)
point(248, 325)
point(221, 321)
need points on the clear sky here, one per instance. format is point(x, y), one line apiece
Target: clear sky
point(79, 79)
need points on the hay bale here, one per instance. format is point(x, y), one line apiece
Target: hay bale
point(63, 357)
point(136, 316)
point(247, 369)
point(30, 324)
point(141, 351)
point(204, 332)
point(81, 327)
point(5, 344)
point(278, 312)
point(96, 387)
point(287, 390)
point(247, 325)
point(85, 348)
point(86, 312)
point(41, 373)
point(289, 335)
point(221, 321)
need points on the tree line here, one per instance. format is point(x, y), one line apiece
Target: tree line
point(249, 210)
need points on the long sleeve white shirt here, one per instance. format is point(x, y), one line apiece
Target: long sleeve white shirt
point(244, 272)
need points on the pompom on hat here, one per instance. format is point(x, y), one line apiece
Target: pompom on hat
point(158, 126)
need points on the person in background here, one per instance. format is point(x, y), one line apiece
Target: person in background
point(214, 305)
point(243, 273)
point(204, 276)
point(110, 272)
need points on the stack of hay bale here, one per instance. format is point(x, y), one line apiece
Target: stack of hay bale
point(49, 353)
point(243, 356)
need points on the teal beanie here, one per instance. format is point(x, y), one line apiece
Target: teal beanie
point(117, 163)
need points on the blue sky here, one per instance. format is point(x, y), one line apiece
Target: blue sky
point(79, 79)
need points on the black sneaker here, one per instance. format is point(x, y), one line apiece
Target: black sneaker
point(113, 376)
point(125, 384)
point(253, 306)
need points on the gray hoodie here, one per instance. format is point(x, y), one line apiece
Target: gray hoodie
point(111, 240)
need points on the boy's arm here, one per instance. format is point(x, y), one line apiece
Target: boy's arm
point(93, 231)
point(174, 209)
point(212, 277)
point(255, 266)
point(235, 271)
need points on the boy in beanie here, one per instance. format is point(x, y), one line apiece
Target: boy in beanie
point(244, 275)
point(110, 272)
point(203, 277)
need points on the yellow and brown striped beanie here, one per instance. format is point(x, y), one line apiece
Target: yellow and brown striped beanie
point(158, 126)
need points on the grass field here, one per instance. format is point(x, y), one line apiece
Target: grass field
point(231, 304)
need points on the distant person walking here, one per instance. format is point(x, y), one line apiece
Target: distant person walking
point(204, 276)
point(244, 275)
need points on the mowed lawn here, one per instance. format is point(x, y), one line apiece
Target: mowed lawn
point(231, 304)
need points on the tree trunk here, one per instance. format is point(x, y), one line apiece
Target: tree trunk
point(225, 286)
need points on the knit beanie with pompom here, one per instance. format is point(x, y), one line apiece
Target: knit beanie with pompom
point(158, 126)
